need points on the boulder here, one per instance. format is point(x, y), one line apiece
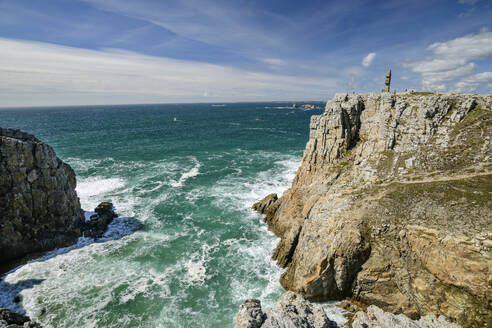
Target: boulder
point(377, 318)
point(290, 311)
point(250, 314)
point(97, 224)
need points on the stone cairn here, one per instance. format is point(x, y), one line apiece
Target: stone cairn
point(387, 81)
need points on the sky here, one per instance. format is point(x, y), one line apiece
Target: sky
point(83, 52)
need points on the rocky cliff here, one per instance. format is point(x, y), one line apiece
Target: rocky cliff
point(39, 207)
point(392, 206)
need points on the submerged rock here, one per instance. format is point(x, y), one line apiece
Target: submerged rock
point(290, 311)
point(391, 206)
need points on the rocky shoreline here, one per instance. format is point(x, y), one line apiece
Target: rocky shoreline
point(40, 208)
point(391, 207)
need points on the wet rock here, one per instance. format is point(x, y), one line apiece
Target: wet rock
point(12, 317)
point(98, 223)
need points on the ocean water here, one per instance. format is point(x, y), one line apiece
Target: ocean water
point(188, 175)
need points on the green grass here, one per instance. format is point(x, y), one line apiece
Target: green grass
point(422, 93)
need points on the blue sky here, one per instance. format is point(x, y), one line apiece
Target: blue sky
point(68, 52)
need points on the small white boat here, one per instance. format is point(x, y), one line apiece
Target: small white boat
point(175, 119)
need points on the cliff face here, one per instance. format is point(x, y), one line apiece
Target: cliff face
point(392, 206)
point(39, 207)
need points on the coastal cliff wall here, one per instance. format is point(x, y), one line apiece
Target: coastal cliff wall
point(40, 209)
point(392, 206)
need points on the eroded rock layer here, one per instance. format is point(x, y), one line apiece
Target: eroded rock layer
point(40, 209)
point(392, 206)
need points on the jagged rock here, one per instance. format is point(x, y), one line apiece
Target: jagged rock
point(98, 222)
point(391, 205)
point(290, 311)
point(377, 318)
point(39, 209)
point(267, 205)
point(250, 314)
point(12, 317)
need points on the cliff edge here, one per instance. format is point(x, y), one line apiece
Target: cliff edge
point(392, 206)
point(40, 209)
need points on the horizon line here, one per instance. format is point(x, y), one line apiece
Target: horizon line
point(174, 103)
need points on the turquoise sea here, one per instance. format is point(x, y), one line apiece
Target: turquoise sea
point(188, 173)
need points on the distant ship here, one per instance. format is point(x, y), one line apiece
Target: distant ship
point(175, 119)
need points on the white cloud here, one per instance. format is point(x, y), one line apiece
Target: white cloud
point(273, 61)
point(452, 61)
point(227, 24)
point(472, 83)
point(367, 60)
point(35, 73)
point(473, 46)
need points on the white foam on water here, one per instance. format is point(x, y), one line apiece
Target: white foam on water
point(57, 281)
point(278, 107)
point(90, 279)
point(196, 271)
point(257, 274)
point(91, 189)
point(241, 192)
point(185, 176)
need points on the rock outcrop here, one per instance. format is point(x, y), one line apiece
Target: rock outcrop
point(392, 206)
point(39, 207)
point(98, 222)
point(12, 319)
point(289, 311)
point(377, 318)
